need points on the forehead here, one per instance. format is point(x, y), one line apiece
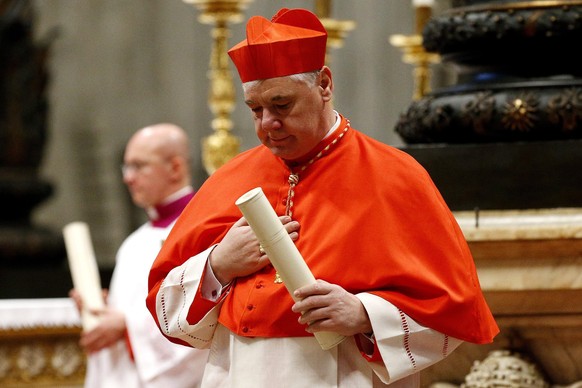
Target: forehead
point(141, 148)
point(273, 89)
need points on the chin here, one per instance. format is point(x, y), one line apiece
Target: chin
point(282, 153)
point(139, 202)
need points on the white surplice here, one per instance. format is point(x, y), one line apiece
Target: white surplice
point(158, 363)
point(235, 361)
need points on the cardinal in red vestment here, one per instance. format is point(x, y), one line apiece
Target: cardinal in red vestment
point(394, 272)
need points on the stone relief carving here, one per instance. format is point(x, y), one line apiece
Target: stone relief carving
point(504, 369)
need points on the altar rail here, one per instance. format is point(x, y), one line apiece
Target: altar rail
point(530, 269)
point(39, 344)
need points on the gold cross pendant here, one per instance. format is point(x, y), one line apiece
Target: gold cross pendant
point(278, 279)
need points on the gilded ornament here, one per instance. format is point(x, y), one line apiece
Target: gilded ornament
point(566, 109)
point(520, 114)
point(67, 358)
point(5, 363)
point(478, 112)
point(31, 360)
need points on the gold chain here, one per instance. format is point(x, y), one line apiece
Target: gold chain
point(294, 180)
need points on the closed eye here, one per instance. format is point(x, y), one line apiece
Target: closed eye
point(257, 111)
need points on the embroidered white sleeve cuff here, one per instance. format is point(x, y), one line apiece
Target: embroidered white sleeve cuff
point(405, 346)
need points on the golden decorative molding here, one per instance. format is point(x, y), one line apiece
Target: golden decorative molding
point(39, 344)
point(41, 357)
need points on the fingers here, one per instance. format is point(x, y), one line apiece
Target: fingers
point(289, 223)
point(241, 222)
point(314, 302)
point(329, 307)
point(320, 287)
point(311, 297)
point(97, 311)
point(110, 329)
point(292, 227)
point(76, 297)
point(239, 253)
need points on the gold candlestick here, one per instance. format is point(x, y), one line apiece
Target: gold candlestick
point(323, 8)
point(336, 29)
point(221, 146)
point(415, 54)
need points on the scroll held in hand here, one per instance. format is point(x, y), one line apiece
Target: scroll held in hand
point(281, 250)
point(84, 271)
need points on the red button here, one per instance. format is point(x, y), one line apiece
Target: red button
point(245, 329)
point(250, 307)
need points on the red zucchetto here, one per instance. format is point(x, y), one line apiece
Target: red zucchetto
point(292, 42)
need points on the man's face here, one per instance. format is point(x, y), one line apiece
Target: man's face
point(145, 172)
point(288, 115)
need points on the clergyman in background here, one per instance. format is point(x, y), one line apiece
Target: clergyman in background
point(126, 349)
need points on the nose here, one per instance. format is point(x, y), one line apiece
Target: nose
point(270, 121)
point(128, 175)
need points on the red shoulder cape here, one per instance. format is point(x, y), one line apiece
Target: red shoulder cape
point(371, 221)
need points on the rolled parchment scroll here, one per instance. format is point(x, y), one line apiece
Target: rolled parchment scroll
point(84, 271)
point(281, 250)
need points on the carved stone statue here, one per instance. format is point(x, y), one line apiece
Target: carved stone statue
point(504, 369)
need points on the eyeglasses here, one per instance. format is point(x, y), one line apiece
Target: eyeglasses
point(136, 167)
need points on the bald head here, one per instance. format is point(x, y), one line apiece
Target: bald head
point(166, 140)
point(156, 161)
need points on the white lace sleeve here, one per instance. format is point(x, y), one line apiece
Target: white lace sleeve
point(405, 346)
point(176, 295)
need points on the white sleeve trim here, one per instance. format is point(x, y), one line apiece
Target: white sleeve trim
point(405, 346)
point(176, 295)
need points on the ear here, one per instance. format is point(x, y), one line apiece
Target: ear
point(326, 83)
point(177, 167)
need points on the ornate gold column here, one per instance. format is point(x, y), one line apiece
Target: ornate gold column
point(220, 146)
point(413, 51)
point(336, 29)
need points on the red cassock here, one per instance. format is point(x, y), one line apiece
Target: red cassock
point(371, 221)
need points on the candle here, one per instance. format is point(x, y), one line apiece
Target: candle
point(422, 3)
point(84, 271)
point(423, 12)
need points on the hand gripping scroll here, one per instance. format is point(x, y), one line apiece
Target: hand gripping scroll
point(281, 250)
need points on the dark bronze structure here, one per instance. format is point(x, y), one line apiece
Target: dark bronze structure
point(25, 249)
point(519, 74)
point(507, 133)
